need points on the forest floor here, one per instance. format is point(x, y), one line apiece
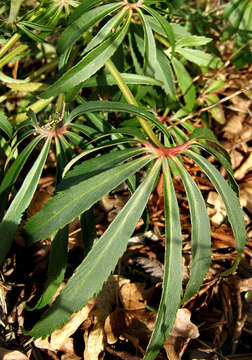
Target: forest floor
point(118, 323)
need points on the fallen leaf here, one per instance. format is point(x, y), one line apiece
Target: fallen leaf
point(6, 354)
point(244, 168)
point(59, 337)
point(183, 330)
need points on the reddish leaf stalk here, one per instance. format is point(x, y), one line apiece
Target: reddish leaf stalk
point(168, 152)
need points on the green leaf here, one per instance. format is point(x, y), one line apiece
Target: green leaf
point(89, 277)
point(10, 80)
point(82, 8)
point(82, 24)
point(163, 72)
point(185, 83)
point(165, 25)
point(12, 218)
point(205, 134)
point(56, 268)
point(88, 230)
point(150, 56)
point(13, 172)
point(192, 40)
point(84, 129)
point(106, 30)
point(93, 106)
point(90, 64)
point(172, 282)
point(216, 111)
point(199, 57)
point(201, 233)
point(215, 85)
point(231, 202)
point(77, 198)
point(5, 125)
point(108, 80)
point(224, 162)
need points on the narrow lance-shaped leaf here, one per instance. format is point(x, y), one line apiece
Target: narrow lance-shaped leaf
point(201, 233)
point(82, 24)
point(172, 282)
point(82, 8)
point(5, 125)
point(192, 41)
point(56, 268)
point(93, 106)
point(11, 220)
point(165, 25)
point(231, 202)
point(88, 230)
point(106, 30)
point(72, 202)
point(224, 162)
point(150, 56)
point(90, 64)
point(89, 277)
point(199, 57)
point(185, 83)
point(105, 80)
point(13, 172)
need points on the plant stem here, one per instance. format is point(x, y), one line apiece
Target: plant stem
point(9, 44)
point(12, 54)
point(14, 9)
point(35, 107)
point(131, 100)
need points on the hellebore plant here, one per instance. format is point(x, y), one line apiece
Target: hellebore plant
point(98, 35)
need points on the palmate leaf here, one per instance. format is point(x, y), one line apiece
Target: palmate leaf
point(201, 233)
point(78, 197)
point(172, 282)
point(231, 202)
point(12, 218)
point(89, 277)
point(90, 64)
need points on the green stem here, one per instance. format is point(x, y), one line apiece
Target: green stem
point(131, 100)
point(5, 60)
point(9, 44)
point(35, 107)
point(14, 9)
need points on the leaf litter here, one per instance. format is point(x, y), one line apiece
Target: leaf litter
point(117, 323)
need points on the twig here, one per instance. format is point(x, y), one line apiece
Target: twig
point(238, 92)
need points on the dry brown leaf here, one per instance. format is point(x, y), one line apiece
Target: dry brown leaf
point(94, 343)
point(61, 335)
point(217, 212)
point(6, 354)
point(246, 194)
point(133, 296)
point(244, 168)
point(183, 330)
point(114, 325)
point(183, 326)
